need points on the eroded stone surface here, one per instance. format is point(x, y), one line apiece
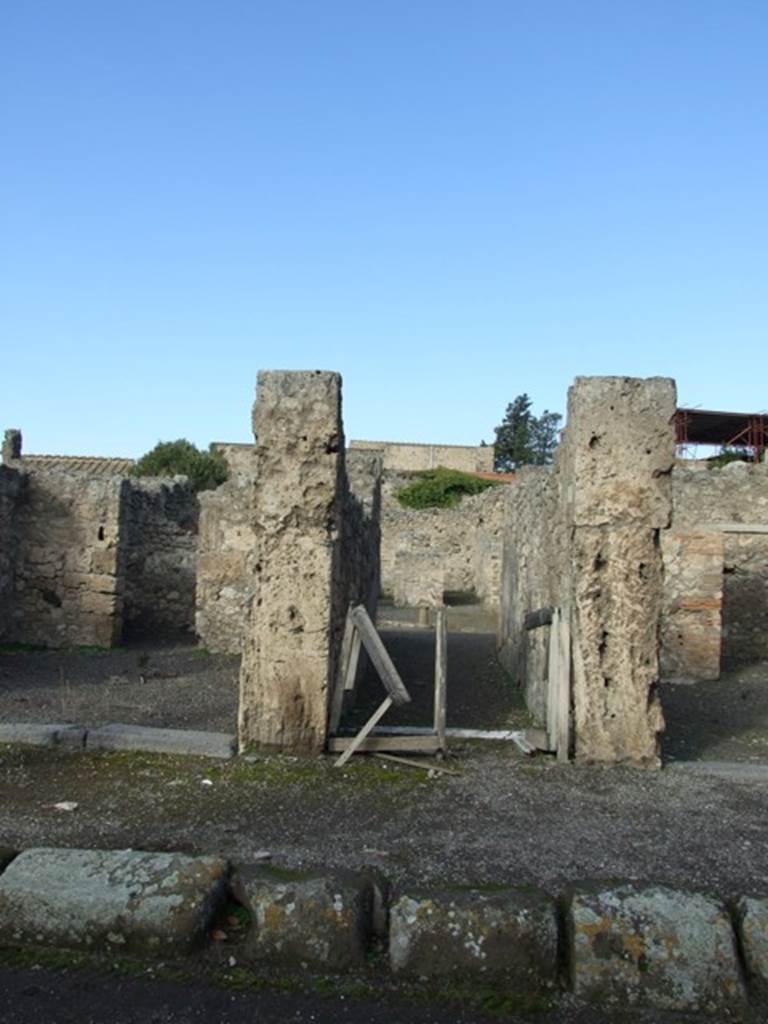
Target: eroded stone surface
point(691, 623)
point(122, 899)
point(324, 920)
point(507, 934)
point(753, 923)
point(654, 947)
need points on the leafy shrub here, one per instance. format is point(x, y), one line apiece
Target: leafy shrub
point(206, 470)
point(441, 488)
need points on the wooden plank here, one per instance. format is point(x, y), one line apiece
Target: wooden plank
point(429, 767)
point(358, 740)
point(541, 617)
point(354, 660)
point(441, 673)
point(337, 698)
point(553, 681)
point(381, 660)
point(740, 527)
point(423, 744)
point(563, 718)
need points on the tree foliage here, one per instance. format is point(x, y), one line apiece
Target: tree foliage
point(523, 439)
point(440, 488)
point(206, 470)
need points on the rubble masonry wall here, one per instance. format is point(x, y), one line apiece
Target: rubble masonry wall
point(605, 503)
point(159, 543)
point(707, 497)
point(67, 587)
point(465, 541)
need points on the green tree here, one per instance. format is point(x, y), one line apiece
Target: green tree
point(523, 439)
point(206, 470)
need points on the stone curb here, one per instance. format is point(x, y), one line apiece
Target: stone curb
point(118, 736)
point(620, 945)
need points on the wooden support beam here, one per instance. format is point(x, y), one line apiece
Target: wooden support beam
point(358, 740)
point(337, 697)
point(427, 744)
point(441, 673)
point(379, 656)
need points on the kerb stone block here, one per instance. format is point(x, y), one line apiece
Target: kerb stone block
point(509, 935)
point(119, 899)
point(654, 947)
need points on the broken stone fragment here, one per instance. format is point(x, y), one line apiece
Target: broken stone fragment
point(508, 934)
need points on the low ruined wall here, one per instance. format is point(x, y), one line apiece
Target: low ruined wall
point(159, 556)
point(225, 564)
point(361, 530)
point(12, 485)
point(402, 457)
point(594, 521)
point(721, 500)
point(533, 573)
point(67, 589)
point(465, 541)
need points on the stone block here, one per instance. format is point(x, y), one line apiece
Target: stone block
point(96, 899)
point(752, 918)
point(654, 947)
point(324, 920)
point(162, 741)
point(508, 935)
point(42, 734)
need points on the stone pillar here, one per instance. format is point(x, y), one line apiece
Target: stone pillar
point(11, 446)
point(616, 462)
point(291, 637)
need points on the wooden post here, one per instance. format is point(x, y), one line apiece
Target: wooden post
point(358, 740)
point(563, 718)
point(441, 674)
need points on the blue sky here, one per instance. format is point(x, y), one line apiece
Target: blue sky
point(449, 202)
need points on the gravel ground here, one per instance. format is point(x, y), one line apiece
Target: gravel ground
point(502, 818)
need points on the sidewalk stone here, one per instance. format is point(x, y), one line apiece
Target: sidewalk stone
point(119, 898)
point(655, 947)
point(43, 735)
point(509, 934)
point(324, 920)
point(162, 741)
point(753, 922)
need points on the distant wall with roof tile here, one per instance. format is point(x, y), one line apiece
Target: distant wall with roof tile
point(404, 457)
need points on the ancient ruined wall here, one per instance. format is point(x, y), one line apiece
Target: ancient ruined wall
point(402, 457)
point(12, 486)
point(728, 500)
point(691, 621)
point(305, 567)
point(226, 564)
point(607, 499)
point(533, 575)
point(361, 530)
point(159, 556)
point(67, 588)
point(240, 458)
point(465, 541)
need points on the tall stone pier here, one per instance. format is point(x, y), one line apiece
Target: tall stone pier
point(584, 536)
point(291, 635)
point(617, 458)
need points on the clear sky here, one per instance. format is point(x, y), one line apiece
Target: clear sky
point(449, 201)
